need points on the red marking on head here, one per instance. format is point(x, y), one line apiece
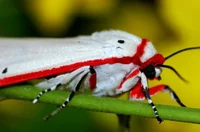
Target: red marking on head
point(140, 51)
point(93, 81)
point(141, 47)
point(154, 60)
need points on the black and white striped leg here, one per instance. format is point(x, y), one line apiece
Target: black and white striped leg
point(45, 91)
point(150, 102)
point(82, 77)
point(146, 91)
point(174, 96)
point(55, 82)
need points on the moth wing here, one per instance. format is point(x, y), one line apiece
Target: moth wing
point(22, 56)
point(25, 59)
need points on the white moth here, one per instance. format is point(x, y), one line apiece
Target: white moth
point(108, 63)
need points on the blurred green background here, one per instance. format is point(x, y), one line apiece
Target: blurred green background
point(169, 24)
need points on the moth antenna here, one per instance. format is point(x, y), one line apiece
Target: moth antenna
point(182, 50)
point(171, 68)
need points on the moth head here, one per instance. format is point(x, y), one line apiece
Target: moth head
point(153, 67)
point(152, 72)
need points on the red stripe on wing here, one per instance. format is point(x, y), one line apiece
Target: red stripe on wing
point(62, 69)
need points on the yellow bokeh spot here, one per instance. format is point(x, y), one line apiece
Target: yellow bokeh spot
point(50, 16)
point(96, 8)
point(182, 15)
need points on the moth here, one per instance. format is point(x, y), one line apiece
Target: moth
point(107, 63)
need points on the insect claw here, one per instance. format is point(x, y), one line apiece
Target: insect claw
point(159, 120)
point(35, 101)
point(46, 117)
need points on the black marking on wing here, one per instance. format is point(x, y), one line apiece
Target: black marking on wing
point(121, 41)
point(5, 70)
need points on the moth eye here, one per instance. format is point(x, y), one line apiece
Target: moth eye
point(121, 41)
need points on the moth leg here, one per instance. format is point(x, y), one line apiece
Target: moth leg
point(92, 79)
point(137, 92)
point(53, 83)
point(147, 95)
point(80, 78)
point(45, 91)
point(166, 88)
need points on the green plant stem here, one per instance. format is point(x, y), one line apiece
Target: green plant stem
point(103, 104)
